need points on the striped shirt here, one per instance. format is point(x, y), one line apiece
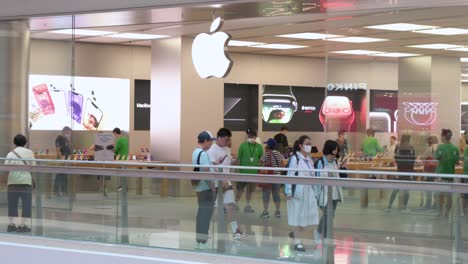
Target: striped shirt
point(272, 159)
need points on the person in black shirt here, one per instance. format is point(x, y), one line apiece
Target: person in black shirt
point(63, 150)
point(282, 141)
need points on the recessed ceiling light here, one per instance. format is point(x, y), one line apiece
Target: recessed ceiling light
point(436, 46)
point(137, 36)
point(444, 31)
point(357, 39)
point(82, 32)
point(461, 49)
point(356, 52)
point(395, 54)
point(309, 35)
point(240, 43)
point(401, 27)
point(463, 59)
point(279, 46)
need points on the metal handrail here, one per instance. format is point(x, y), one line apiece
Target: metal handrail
point(256, 178)
point(126, 164)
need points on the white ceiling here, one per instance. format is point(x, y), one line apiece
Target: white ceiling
point(266, 29)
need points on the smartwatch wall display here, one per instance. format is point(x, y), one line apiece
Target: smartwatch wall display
point(86, 103)
point(383, 101)
point(240, 106)
point(344, 110)
point(337, 113)
point(294, 106)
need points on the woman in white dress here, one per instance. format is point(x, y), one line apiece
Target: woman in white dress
point(302, 203)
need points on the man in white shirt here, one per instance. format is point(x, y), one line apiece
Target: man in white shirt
point(220, 154)
point(19, 186)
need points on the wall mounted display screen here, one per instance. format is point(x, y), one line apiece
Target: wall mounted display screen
point(240, 106)
point(344, 110)
point(417, 111)
point(294, 106)
point(383, 110)
point(464, 116)
point(142, 106)
point(93, 104)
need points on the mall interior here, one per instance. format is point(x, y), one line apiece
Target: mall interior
point(164, 71)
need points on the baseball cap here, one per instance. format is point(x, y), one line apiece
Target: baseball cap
point(205, 135)
point(271, 143)
point(251, 132)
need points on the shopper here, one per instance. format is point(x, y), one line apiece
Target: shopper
point(19, 186)
point(220, 154)
point(249, 154)
point(204, 189)
point(390, 148)
point(448, 156)
point(302, 202)
point(282, 141)
point(370, 145)
point(273, 159)
point(343, 144)
point(404, 157)
point(328, 162)
point(121, 145)
point(430, 165)
point(63, 150)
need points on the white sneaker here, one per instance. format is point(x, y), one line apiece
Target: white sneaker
point(238, 235)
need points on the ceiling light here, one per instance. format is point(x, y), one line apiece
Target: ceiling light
point(396, 54)
point(401, 27)
point(356, 52)
point(279, 46)
point(460, 49)
point(444, 31)
point(137, 36)
point(357, 39)
point(463, 59)
point(308, 35)
point(82, 32)
point(436, 46)
point(464, 75)
point(240, 43)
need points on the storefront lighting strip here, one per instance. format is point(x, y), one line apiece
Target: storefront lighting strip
point(376, 53)
point(357, 39)
point(437, 46)
point(395, 54)
point(356, 52)
point(240, 43)
point(444, 31)
point(310, 36)
point(83, 32)
point(279, 46)
point(137, 36)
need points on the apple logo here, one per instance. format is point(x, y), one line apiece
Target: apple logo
point(209, 54)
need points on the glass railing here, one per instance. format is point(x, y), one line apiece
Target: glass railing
point(369, 217)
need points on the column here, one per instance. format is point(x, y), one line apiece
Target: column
point(14, 70)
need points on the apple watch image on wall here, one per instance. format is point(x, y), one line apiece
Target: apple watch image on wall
point(337, 113)
point(380, 121)
point(278, 108)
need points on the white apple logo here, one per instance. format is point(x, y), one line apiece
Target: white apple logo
point(209, 54)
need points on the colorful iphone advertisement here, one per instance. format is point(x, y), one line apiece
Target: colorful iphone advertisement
point(294, 106)
point(89, 103)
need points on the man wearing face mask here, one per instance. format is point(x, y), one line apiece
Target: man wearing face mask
point(249, 155)
point(63, 150)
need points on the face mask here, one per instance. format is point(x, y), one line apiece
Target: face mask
point(308, 149)
point(251, 140)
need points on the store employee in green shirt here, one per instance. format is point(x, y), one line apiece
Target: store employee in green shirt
point(448, 156)
point(121, 145)
point(249, 154)
point(370, 145)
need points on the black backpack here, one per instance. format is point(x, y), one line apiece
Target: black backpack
point(197, 169)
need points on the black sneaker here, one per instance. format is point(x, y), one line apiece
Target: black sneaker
point(265, 214)
point(11, 228)
point(278, 214)
point(299, 247)
point(248, 209)
point(23, 229)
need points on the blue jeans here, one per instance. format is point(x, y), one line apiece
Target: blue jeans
point(15, 193)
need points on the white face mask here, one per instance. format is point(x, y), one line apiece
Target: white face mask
point(251, 140)
point(307, 148)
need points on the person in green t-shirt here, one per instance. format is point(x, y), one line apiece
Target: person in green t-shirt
point(121, 145)
point(448, 156)
point(249, 154)
point(370, 145)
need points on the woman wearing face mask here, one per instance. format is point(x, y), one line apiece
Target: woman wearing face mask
point(302, 204)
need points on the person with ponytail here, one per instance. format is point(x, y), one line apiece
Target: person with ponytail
point(302, 203)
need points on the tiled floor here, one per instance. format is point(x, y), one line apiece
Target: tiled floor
point(362, 235)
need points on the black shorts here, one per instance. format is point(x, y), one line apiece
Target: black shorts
point(241, 185)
